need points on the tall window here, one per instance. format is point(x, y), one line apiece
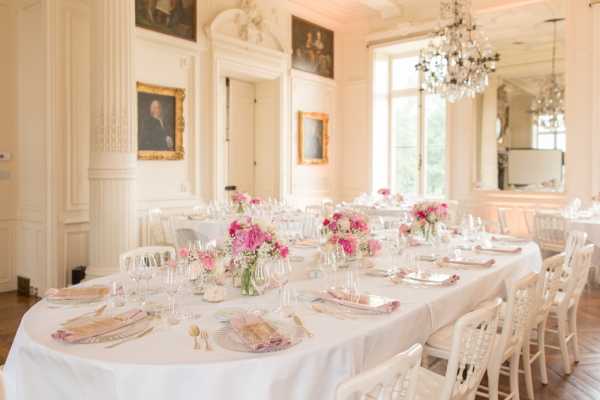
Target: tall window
point(417, 132)
point(549, 139)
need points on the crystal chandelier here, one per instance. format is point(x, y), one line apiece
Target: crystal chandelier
point(548, 107)
point(458, 59)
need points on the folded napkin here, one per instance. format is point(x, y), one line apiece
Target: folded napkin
point(362, 301)
point(78, 293)
point(89, 328)
point(427, 278)
point(509, 239)
point(500, 250)
point(257, 334)
point(467, 263)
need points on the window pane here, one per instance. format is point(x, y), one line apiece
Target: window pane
point(435, 131)
point(561, 141)
point(405, 130)
point(404, 73)
point(545, 142)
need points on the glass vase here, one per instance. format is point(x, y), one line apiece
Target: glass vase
point(247, 271)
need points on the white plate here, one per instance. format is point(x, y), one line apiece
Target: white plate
point(227, 338)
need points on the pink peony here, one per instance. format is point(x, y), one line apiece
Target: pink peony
point(326, 222)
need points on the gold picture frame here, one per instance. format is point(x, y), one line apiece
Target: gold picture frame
point(160, 122)
point(313, 138)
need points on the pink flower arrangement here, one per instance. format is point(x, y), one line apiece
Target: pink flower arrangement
point(248, 238)
point(248, 242)
point(385, 192)
point(240, 200)
point(427, 215)
point(350, 230)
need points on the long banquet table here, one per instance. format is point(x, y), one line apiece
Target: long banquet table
point(163, 365)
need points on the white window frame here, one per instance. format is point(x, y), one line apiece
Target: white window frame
point(422, 164)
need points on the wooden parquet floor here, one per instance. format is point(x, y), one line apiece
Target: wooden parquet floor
point(582, 384)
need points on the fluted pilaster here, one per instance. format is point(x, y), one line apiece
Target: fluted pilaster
point(113, 159)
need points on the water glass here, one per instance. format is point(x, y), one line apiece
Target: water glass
point(260, 277)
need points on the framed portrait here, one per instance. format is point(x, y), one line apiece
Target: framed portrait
point(312, 47)
point(160, 122)
point(313, 138)
point(171, 17)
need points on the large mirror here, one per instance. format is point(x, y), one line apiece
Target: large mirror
point(521, 135)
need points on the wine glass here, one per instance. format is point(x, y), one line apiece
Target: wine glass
point(172, 281)
point(340, 256)
point(329, 264)
point(351, 284)
point(279, 272)
point(260, 277)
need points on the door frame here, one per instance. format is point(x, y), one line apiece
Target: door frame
point(234, 57)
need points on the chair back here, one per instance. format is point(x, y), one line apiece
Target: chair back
point(550, 230)
point(153, 256)
point(395, 379)
point(472, 342)
point(578, 277)
point(185, 236)
point(551, 281)
point(575, 241)
point(521, 303)
point(503, 220)
point(528, 217)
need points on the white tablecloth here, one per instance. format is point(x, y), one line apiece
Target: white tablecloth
point(208, 229)
point(162, 365)
point(592, 227)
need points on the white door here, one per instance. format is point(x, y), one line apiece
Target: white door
point(240, 160)
point(266, 140)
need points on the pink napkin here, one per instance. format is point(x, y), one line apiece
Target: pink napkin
point(259, 335)
point(468, 263)
point(501, 250)
point(362, 301)
point(77, 293)
point(75, 333)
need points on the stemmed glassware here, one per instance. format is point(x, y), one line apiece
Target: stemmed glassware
point(173, 279)
point(279, 271)
point(261, 277)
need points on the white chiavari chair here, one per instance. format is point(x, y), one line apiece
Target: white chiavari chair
point(155, 256)
point(471, 342)
point(575, 241)
point(528, 217)
point(550, 231)
point(549, 283)
point(2, 390)
point(564, 309)
point(395, 379)
point(185, 236)
point(516, 312)
point(503, 220)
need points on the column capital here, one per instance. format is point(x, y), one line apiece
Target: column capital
point(594, 3)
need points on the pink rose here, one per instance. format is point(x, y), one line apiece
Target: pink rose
point(326, 222)
point(256, 201)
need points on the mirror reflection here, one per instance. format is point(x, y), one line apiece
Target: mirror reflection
point(521, 132)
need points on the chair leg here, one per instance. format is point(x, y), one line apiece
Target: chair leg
point(572, 316)
point(493, 378)
point(541, 338)
point(514, 375)
point(526, 354)
point(564, 350)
